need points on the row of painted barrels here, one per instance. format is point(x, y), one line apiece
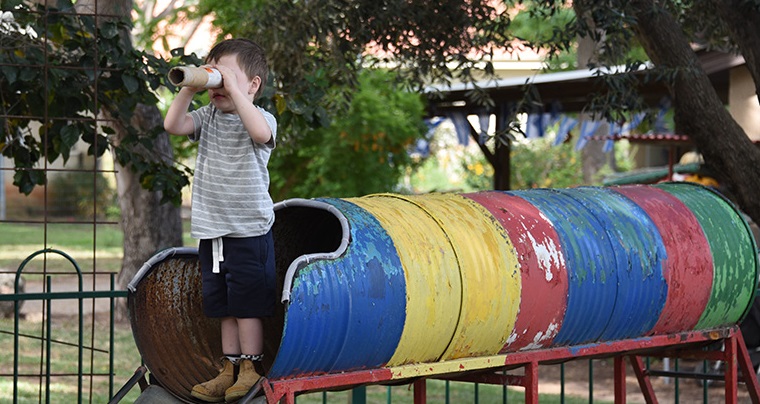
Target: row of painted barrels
point(446, 276)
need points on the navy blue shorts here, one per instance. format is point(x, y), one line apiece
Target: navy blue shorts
point(245, 285)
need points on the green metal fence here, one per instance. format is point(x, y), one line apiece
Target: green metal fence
point(54, 351)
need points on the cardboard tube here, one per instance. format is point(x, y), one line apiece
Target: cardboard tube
point(200, 77)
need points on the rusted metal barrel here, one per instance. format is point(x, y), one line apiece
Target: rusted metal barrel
point(387, 280)
point(178, 344)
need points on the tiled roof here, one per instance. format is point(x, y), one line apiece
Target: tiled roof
point(647, 138)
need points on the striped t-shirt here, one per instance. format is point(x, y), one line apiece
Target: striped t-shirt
point(231, 183)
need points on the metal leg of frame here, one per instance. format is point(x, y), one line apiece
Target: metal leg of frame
point(619, 366)
point(643, 378)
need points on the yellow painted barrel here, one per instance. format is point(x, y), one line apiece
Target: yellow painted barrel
point(431, 271)
point(486, 265)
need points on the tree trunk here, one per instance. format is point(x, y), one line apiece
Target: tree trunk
point(698, 109)
point(593, 157)
point(501, 159)
point(148, 225)
point(501, 169)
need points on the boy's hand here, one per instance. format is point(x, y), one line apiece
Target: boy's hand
point(192, 90)
point(229, 80)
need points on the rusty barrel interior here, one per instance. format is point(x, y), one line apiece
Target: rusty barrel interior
point(387, 280)
point(181, 346)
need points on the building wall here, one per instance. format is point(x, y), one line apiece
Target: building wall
point(743, 103)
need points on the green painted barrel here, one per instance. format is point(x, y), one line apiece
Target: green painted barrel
point(733, 252)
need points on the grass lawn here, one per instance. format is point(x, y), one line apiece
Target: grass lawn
point(93, 248)
point(64, 363)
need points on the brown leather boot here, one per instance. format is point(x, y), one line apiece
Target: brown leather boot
point(245, 380)
point(213, 390)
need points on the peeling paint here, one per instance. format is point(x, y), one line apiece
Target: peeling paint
point(548, 254)
point(506, 272)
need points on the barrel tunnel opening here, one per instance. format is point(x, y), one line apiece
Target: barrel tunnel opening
point(302, 229)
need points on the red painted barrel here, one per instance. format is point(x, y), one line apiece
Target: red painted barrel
point(543, 296)
point(688, 268)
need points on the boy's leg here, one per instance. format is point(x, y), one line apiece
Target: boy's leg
point(215, 305)
point(230, 336)
point(215, 389)
point(251, 295)
point(251, 336)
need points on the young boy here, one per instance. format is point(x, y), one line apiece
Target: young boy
point(232, 212)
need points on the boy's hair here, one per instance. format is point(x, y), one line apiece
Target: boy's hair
point(250, 57)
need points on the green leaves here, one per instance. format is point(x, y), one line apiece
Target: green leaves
point(131, 84)
point(166, 178)
point(110, 30)
point(362, 151)
point(64, 81)
point(10, 73)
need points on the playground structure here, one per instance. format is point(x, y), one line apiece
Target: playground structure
point(390, 288)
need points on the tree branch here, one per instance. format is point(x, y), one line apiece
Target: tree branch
point(699, 111)
point(476, 136)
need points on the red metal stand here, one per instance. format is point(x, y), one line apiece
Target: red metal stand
point(491, 370)
point(745, 364)
point(619, 367)
point(644, 384)
point(733, 355)
point(420, 391)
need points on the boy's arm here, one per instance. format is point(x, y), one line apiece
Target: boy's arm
point(178, 121)
point(253, 120)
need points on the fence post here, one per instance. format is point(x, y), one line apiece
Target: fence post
point(358, 395)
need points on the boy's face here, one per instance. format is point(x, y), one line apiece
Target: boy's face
point(220, 97)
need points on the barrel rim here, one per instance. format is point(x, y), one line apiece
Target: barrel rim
point(304, 260)
point(154, 260)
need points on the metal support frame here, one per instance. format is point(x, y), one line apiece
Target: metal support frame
point(491, 370)
point(734, 354)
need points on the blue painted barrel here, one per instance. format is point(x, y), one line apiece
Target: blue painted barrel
point(382, 281)
point(615, 260)
point(590, 264)
point(354, 305)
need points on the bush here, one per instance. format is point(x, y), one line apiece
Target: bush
point(74, 194)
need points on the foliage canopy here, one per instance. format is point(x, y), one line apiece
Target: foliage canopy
point(80, 81)
point(365, 151)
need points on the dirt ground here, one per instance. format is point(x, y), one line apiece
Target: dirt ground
point(576, 372)
point(32, 310)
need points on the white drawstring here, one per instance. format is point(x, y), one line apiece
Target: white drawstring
point(217, 253)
